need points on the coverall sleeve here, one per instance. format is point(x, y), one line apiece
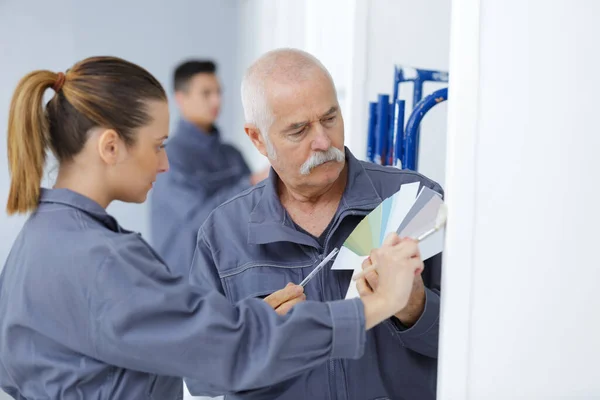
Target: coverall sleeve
point(148, 319)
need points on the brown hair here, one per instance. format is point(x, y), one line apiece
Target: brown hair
point(98, 91)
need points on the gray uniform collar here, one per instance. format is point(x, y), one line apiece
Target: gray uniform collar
point(72, 199)
point(270, 223)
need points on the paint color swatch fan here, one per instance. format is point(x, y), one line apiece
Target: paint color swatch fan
point(409, 212)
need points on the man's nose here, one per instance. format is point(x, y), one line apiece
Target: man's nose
point(321, 141)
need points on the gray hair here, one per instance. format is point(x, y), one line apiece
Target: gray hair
point(282, 66)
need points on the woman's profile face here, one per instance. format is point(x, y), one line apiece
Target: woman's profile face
point(146, 158)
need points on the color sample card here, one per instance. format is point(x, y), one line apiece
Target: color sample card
point(409, 212)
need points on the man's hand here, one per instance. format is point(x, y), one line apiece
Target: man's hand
point(410, 314)
point(283, 300)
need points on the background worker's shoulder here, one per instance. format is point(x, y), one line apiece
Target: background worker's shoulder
point(236, 210)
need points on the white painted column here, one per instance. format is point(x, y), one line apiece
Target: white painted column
point(521, 304)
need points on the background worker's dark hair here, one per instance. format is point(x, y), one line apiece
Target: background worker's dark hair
point(185, 71)
point(97, 92)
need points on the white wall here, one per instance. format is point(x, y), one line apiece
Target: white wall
point(520, 308)
point(155, 34)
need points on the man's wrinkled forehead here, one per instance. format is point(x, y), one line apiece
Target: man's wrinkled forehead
point(296, 103)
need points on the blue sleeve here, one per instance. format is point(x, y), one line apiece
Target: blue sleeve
point(147, 319)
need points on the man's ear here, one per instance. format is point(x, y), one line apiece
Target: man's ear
point(179, 98)
point(109, 146)
point(256, 138)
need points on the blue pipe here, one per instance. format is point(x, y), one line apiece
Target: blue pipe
point(398, 132)
point(382, 129)
point(371, 134)
point(389, 159)
point(417, 92)
point(418, 76)
point(381, 148)
point(398, 77)
point(411, 134)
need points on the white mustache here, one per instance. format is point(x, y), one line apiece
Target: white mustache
point(321, 157)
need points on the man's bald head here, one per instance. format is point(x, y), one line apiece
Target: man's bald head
point(293, 117)
point(277, 67)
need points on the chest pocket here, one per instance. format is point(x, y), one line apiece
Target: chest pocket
point(260, 279)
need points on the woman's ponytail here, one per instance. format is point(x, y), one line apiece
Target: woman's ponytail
point(28, 140)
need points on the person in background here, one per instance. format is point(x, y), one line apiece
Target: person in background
point(204, 171)
point(89, 311)
point(279, 230)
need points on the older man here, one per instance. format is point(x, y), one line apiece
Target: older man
point(277, 232)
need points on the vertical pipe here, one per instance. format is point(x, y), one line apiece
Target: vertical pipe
point(410, 155)
point(389, 160)
point(381, 147)
point(397, 80)
point(371, 134)
point(398, 132)
point(417, 92)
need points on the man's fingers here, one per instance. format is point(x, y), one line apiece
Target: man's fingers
point(287, 306)
point(289, 292)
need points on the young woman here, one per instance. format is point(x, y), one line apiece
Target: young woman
point(88, 310)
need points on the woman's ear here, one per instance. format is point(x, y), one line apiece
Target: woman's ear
point(110, 146)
